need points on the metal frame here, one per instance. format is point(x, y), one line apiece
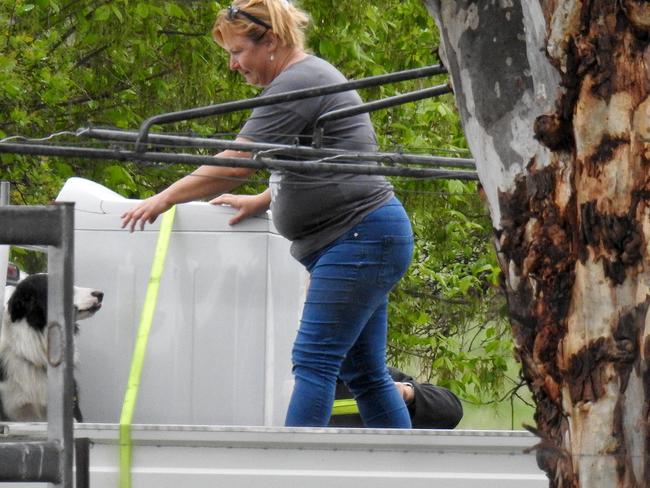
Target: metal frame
point(4, 200)
point(50, 460)
point(115, 135)
point(316, 159)
point(237, 105)
point(257, 162)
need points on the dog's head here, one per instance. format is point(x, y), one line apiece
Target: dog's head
point(29, 301)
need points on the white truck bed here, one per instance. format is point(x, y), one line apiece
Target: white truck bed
point(173, 456)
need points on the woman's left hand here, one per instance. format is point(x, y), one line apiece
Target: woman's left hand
point(407, 391)
point(246, 205)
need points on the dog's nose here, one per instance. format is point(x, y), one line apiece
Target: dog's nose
point(99, 295)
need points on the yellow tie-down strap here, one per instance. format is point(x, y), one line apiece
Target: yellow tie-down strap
point(137, 361)
point(345, 407)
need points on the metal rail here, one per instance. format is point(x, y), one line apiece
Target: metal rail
point(319, 126)
point(117, 135)
point(258, 163)
point(237, 105)
point(4, 250)
point(50, 460)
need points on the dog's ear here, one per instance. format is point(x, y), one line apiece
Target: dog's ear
point(29, 301)
point(17, 307)
point(26, 306)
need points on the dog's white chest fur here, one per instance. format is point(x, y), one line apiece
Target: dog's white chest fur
point(23, 352)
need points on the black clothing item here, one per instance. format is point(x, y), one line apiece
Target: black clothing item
point(434, 407)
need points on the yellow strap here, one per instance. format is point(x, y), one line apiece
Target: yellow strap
point(345, 407)
point(146, 319)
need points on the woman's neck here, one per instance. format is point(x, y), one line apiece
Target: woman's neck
point(287, 57)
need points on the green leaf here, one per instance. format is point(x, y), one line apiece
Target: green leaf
point(103, 13)
point(116, 11)
point(328, 49)
point(173, 10)
point(142, 10)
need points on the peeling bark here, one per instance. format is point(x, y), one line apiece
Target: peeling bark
point(536, 250)
point(555, 101)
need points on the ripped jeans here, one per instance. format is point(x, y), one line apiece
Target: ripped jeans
point(343, 330)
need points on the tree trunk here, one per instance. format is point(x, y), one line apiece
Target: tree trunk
point(554, 101)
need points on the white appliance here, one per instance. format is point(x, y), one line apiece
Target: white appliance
point(228, 308)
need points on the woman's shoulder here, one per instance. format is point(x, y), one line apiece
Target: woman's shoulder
point(312, 61)
point(308, 72)
point(323, 67)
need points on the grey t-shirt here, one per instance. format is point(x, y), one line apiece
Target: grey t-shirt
point(314, 209)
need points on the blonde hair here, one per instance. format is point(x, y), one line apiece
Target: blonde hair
point(286, 21)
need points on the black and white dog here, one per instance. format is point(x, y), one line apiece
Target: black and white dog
point(23, 348)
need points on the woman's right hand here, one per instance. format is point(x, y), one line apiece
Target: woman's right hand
point(146, 211)
point(246, 205)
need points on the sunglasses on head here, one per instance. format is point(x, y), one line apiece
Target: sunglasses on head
point(234, 11)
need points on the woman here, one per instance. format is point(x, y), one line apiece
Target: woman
point(349, 231)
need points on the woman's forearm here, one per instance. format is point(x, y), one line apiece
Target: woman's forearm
point(206, 182)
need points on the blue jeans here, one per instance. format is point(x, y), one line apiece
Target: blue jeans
point(344, 322)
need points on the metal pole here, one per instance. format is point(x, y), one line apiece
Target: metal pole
point(82, 462)
point(4, 250)
point(277, 149)
point(258, 163)
point(60, 342)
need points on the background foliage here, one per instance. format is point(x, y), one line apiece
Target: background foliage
point(66, 64)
